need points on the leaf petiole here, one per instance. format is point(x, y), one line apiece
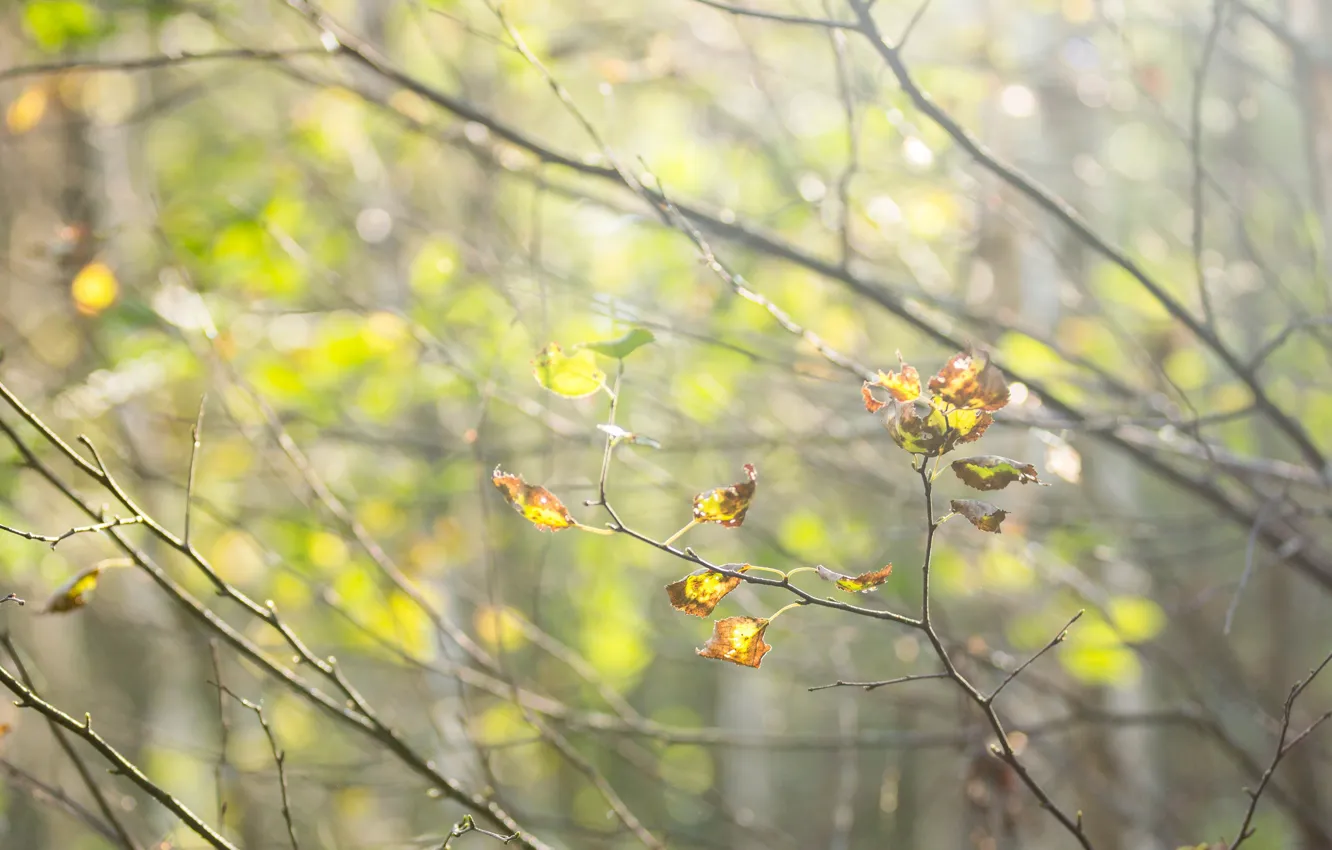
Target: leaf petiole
point(677, 535)
point(800, 570)
point(784, 609)
point(772, 570)
point(592, 529)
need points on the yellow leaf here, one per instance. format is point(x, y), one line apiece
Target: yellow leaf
point(862, 583)
point(738, 640)
point(27, 109)
point(727, 505)
point(537, 504)
point(991, 472)
point(94, 288)
point(968, 379)
point(74, 592)
point(571, 375)
point(700, 591)
point(983, 515)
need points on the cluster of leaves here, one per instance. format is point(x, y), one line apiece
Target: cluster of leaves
point(964, 396)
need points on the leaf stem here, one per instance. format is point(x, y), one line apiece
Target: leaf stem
point(677, 535)
point(790, 573)
point(785, 608)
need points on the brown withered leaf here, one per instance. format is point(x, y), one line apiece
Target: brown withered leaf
point(992, 472)
point(727, 505)
point(855, 584)
point(872, 404)
point(970, 380)
point(738, 640)
point(700, 591)
point(537, 504)
point(983, 515)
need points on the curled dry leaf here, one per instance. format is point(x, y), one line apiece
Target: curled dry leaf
point(727, 505)
point(983, 515)
point(969, 380)
point(738, 640)
point(537, 504)
point(700, 591)
point(855, 584)
point(903, 385)
point(992, 472)
point(573, 375)
point(74, 592)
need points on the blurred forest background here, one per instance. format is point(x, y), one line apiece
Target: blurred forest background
point(349, 228)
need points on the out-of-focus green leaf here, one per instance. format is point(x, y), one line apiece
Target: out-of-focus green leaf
point(621, 347)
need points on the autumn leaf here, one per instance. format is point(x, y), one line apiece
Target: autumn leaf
point(969, 380)
point(872, 404)
point(902, 386)
point(923, 427)
point(537, 504)
point(965, 425)
point(74, 592)
point(623, 346)
point(727, 505)
point(573, 375)
point(991, 472)
point(700, 591)
point(855, 584)
point(738, 640)
point(983, 515)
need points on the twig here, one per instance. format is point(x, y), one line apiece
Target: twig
point(1283, 747)
point(1195, 151)
point(44, 793)
point(1056, 640)
point(224, 725)
point(13, 598)
point(871, 686)
point(196, 433)
point(279, 758)
point(466, 825)
point(163, 61)
point(120, 764)
point(777, 17)
point(56, 539)
point(122, 835)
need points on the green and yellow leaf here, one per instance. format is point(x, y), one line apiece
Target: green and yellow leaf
point(738, 640)
point(727, 505)
point(983, 515)
point(855, 584)
point(970, 380)
point(537, 504)
point(992, 472)
point(573, 375)
point(700, 591)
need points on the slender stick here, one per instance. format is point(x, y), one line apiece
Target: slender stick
point(120, 764)
point(108, 811)
point(196, 433)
